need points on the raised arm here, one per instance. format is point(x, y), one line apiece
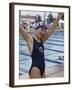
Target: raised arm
point(52, 28)
point(27, 37)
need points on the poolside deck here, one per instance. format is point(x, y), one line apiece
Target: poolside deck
point(54, 48)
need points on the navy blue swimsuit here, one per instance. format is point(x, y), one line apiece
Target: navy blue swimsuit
point(38, 56)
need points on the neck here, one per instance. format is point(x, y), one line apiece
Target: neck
point(37, 38)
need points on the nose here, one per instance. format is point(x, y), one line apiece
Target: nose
point(42, 33)
point(43, 30)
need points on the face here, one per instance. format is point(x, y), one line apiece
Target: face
point(40, 33)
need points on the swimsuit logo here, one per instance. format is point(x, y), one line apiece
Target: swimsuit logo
point(41, 49)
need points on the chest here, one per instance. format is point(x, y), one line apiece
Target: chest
point(39, 48)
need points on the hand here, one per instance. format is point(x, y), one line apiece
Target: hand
point(24, 25)
point(60, 14)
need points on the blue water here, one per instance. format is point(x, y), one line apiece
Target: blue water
point(54, 47)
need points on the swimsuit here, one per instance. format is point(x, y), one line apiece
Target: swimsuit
point(38, 56)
